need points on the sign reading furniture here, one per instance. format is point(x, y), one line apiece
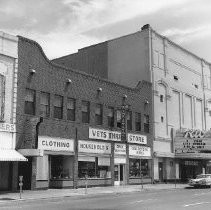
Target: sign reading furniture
point(116, 136)
point(192, 141)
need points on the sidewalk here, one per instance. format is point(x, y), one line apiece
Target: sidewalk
point(57, 193)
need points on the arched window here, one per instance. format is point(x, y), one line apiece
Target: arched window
point(2, 96)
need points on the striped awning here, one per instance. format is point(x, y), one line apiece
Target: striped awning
point(11, 155)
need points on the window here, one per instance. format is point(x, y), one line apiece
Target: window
point(98, 114)
point(118, 118)
point(129, 120)
point(110, 117)
point(58, 107)
point(139, 167)
point(176, 77)
point(30, 102)
point(162, 119)
point(146, 123)
point(138, 121)
point(85, 111)
point(161, 98)
point(71, 109)
point(45, 104)
point(2, 96)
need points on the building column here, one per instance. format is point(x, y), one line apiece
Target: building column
point(127, 164)
point(75, 167)
point(34, 173)
point(112, 163)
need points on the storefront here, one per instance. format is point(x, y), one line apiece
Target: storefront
point(8, 156)
point(192, 152)
point(140, 162)
point(94, 163)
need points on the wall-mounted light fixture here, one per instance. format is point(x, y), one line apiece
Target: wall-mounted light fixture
point(146, 101)
point(124, 96)
point(99, 89)
point(32, 71)
point(69, 81)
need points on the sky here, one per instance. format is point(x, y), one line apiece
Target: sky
point(62, 27)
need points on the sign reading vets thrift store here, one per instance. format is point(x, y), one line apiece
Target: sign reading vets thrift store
point(192, 141)
point(94, 147)
point(55, 144)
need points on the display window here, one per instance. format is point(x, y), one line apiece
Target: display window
point(139, 167)
point(61, 167)
point(94, 167)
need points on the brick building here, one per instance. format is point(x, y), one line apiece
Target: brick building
point(69, 125)
point(181, 84)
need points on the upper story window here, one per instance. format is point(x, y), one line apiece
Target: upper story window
point(2, 96)
point(129, 120)
point(146, 123)
point(30, 102)
point(118, 119)
point(71, 109)
point(44, 104)
point(110, 117)
point(138, 121)
point(85, 109)
point(58, 107)
point(98, 114)
point(161, 98)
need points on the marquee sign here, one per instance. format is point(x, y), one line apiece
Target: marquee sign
point(192, 141)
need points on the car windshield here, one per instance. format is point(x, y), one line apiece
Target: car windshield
point(202, 176)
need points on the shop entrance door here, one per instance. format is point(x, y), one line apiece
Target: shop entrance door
point(160, 167)
point(119, 174)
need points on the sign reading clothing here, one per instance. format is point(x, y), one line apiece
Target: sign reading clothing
point(94, 147)
point(136, 150)
point(55, 144)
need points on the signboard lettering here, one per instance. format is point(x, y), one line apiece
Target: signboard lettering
point(193, 134)
point(7, 127)
point(136, 138)
point(120, 149)
point(55, 144)
point(136, 150)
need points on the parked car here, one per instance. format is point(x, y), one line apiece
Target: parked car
point(201, 180)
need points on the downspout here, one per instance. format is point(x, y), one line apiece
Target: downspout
point(37, 132)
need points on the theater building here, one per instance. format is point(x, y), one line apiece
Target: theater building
point(74, 127)
point(9, 157)
point(181, 85)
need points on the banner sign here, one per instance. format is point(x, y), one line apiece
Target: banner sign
point(119, 149)
point(136, 150)
point(136, 138)
point(7, 127)
point(94, 147)
point(192, 141)
point(55, 144)
point(102, 134)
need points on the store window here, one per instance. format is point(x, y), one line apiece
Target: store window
point(30, 102)
point(110, 117)
point(129, 120)
point(58, 107)
point(94, 167)
point(2, 96)
point(138, 121)
point(118, 119)
point(85, 111)
point(139, 167)
point(146, 123)
point(98, 114)
point(71, 109)
point(61, 167)
point(44, 104)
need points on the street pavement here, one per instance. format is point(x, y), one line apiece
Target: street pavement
point(55, 193)
point(152, 197)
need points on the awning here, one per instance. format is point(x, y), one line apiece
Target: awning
point(11, 155)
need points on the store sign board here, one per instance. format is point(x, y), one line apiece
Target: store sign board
point(55, 144)
point(137, 138)
point(137, 150)
point(192, 141)
point(7, 127)
point(119, 149)
point(102, 134)
point(94, 147)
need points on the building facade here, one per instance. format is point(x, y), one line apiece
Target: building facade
point(181, 87)
point(9, 157)
point(74, 127)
